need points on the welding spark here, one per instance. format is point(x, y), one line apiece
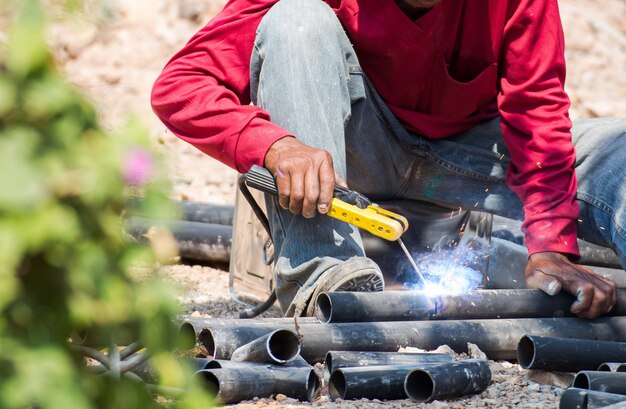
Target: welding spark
point(449, 269)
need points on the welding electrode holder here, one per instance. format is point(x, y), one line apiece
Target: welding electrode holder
point(347, 205)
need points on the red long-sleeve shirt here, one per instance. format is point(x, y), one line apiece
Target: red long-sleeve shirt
point(461, 63)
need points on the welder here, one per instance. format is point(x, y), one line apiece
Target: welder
point(460, 103)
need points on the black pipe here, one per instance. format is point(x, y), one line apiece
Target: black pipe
point(497, 338)
point(277, 347)
point(342, 359)
point(198, 241)
point(612, 367)
point(234, 384)
point(611, 382)
point(446, 381)
point(207, 213)
point(416, 305)
point(297, 362)
point(146, 371)
point(576, 398)
point(370, 382)
point(566, 354)
point(191, 327)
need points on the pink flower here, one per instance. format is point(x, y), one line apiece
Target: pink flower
point(138, 167)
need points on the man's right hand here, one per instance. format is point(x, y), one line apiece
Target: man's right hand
point(305, 176)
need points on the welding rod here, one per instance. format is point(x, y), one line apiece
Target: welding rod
point(416, 305)
point(497, 338)
point(611, 382)
point(277, 347)
point(344, 359)
point(576, 398)
point(567, 354)
point(447, 381)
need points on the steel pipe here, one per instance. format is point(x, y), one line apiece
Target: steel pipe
point(370, 382)
point(497, 338)
point(612, 367)
point(566, 354)
point(198, 241)
point(277, 347)
point(611, 382)
point(416, 305)
point(343, 359)
point(297, 362)
point(231, 385)
point(576, 398)
point(446, 381)
point(191, 327)
point(146, 371)
point(207, 213)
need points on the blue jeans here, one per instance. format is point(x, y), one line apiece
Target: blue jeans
point(305, 73)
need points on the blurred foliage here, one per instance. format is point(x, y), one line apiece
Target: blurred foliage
point(64, 266)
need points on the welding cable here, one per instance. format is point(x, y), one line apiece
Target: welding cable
point(267, 304)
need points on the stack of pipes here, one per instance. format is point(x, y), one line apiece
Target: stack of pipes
point(601, 377)
point(369, 322)
point(204, 233)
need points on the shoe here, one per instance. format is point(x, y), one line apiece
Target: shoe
point(354, 274)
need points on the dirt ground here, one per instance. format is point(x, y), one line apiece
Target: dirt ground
point(117, 53)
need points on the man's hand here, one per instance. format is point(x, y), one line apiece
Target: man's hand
point(305, 176)
point(552, 272)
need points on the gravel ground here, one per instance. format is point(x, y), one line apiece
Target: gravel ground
point(117, 53)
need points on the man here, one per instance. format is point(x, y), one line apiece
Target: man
point(442, 101)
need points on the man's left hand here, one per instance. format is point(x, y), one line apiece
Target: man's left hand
point(553, 272)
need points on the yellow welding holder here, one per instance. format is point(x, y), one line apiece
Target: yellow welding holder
point(376, 220)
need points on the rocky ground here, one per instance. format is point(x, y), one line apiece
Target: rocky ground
point(116, 53)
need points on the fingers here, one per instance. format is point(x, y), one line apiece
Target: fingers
point(547, 283)
point(327, 185)
point(595, 295)
point(304, 175)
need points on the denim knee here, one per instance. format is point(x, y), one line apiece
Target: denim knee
point(303, 23)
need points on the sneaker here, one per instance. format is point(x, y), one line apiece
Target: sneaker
point(354, 274)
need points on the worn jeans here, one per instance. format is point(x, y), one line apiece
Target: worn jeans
point(305, 73)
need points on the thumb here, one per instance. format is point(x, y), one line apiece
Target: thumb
point(547, 283)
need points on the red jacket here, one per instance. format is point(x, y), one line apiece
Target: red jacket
point(463, 62)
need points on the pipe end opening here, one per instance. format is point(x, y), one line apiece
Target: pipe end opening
point(337, 385)
point(209, 381)
point(186, 336)
point(328, 365)
point(604, 368)
point(283, 345)
point(526, 352)
point(419, 386)
point(621, 368)
point(323, 308)
point(206, 339)
point(213, 364)
point(581, 380)
point(312, 386)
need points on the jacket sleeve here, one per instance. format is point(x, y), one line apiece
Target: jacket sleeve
point(203, 93)
point(536, 125)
